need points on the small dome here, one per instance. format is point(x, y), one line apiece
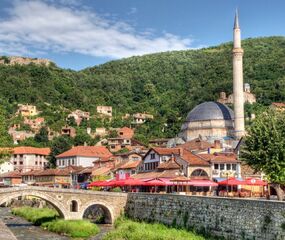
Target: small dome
point(210, 111)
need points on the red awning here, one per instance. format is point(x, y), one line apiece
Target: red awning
point(232, 182)
point(203, 183)
point(134, 182)
point(155, 182)
point(255, 182)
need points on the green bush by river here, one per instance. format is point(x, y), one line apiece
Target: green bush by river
point(47, 218)
point(126, 229)
point(36, 215)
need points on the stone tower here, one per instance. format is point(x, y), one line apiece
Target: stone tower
point(238, 82)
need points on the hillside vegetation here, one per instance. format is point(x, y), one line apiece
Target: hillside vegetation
point(167, 85)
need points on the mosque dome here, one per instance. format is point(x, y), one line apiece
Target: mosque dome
point(209, 120)
point(210, 111)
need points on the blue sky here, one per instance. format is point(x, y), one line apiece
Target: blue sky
point(82, 33)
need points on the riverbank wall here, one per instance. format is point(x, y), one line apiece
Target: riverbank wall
point(224, 217)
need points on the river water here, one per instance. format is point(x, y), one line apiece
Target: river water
point(24, 230)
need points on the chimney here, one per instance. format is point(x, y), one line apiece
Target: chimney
point(217, 144)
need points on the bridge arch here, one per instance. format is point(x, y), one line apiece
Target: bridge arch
point(60, 208)
point(108, 210)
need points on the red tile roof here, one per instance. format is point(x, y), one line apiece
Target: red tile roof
point(166, 151)
point(31, 150)
point(193, 159)
point(14, 174)
point(101, 171)
point(126, 133)
point(221, 157)
point(278, 104)
point(170, 164)
point(130, 164)
point(170, 173)
point(196, 144)
point(87, 151)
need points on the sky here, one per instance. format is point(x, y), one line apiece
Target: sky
point(77, 34)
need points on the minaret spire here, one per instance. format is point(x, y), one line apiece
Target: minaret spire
point(236, 24)
point(238, 81)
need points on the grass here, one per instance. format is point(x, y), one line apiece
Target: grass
point(47, 218)
point(36, 215)
point(126, 229)
point(72, 228)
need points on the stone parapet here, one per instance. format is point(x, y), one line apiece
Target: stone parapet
point(224, 217)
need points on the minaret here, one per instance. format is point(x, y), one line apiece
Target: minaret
point(238, 81)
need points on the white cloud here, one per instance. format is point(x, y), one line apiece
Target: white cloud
point(33, 26)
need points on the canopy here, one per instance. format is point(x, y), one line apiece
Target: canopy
point(255, 182)
point(203, 183)
point(155, 182)
point(134, 182)
point(232, 182)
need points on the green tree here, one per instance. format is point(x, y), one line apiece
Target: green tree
point(58, 146)
point(82, 138)
point(264, 148)
point(42, 136)
point(5, 138)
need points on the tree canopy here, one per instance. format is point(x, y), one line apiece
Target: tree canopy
point(264, 147)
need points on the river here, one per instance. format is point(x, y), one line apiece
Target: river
point(24, 230)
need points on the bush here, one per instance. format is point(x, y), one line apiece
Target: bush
point(116, 189)
point(72, 228)
point(35, 215)
point(128, 229)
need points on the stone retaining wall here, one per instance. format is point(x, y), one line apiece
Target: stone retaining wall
point(225, 217)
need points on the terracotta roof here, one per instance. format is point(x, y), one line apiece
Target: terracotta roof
point(196, 144)
point(278, 104)
point(14, 174)
point(170, 164)
point(127, 133)
point(130, 164)
point(193, 159)
point(31, 173)
point(101, 171)
point(87, 151)
point(31, 150)
point(59, 172)
point(220, 157)
point(172, 173)
point(166, 151)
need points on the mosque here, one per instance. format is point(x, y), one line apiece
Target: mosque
point(215, 120)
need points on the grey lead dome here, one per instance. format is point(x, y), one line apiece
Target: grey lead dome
point(210, 111)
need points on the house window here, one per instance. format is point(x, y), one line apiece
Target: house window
point(152, 156)
point(36, 162)
point(222, 166)
point(216, 166)
point(15, 163)
point(21, 163)
point(234, 167)
point(228, 166)
point(72, 161)
point(112, 146)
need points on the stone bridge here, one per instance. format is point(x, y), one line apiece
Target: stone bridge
point(70, 203)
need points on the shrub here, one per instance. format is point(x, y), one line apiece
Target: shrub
point(72, 228)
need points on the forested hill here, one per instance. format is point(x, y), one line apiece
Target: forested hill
point(166, 84)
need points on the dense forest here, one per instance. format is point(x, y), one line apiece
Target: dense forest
point(167, 84)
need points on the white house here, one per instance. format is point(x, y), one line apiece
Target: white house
point(84, 156)
point(156, 155)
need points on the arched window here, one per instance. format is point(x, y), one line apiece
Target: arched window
point(73, 206)
point(199, 173)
